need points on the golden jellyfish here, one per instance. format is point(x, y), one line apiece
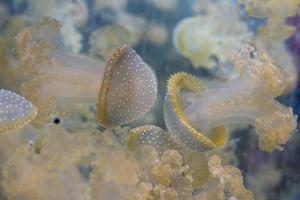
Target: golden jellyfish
point(105, 40)
point(209, 38)
point(151, 135)
point(197, 117)
point(226, 183)
point(15, 111)
point(161, 141)
point(275, 12)
point(124, 88)
point(207, 171)
point(73, 15)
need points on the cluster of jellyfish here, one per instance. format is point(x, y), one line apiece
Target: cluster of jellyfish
point(109, 160)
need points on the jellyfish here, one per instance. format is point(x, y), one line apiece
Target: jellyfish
point(15, 111)
point(211, 37)
point(51, 164)
point(275, 13)
point(151, 135)
point(124, 88)
point(197, 117)
point(72, 14)
point(161, 141)
point(105, 40)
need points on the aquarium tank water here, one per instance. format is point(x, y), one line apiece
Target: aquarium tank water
point(149, 99)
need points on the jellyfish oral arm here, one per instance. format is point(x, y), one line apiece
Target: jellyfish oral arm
point(124, 88)
point(196, 113)
point(227, 105)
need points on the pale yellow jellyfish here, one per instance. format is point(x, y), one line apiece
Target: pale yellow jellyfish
point(284, 59)
point(125, 87)
point(72, 14)
point(115, 175)
point(271, 35)
point(195, 115)
point(178, 123)
point(226, 183)
point(276, 12)
point(162, 142)
point(15, 111)
point(9, 74)
point(210, 38)
point(135, 24)
point(151, 135)
point(48, 168)
point(105, 40)
point(157, 34)
point(208, 176)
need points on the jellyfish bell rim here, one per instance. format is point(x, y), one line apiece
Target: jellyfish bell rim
point(161, 141)
point(104, 91)
point(165, 141)
point(21, 120)
point(172, 103)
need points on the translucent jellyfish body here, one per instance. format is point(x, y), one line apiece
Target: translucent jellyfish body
point(72, 14)
point(179, 125)
point(151, 135)
point(211, 38)
point(207, 173)
point(106, 39)
point(50, 164)
point(124, 88)
point(276, 12)
point(228, 182)
point(162, 141)
point(278, 51)
point(135, 24)
point(196, 116)
point(15, 111)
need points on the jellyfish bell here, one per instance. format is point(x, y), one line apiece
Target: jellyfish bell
point(124, 88)
point(197, 116)
point(179, 125)
point(151, 135)
point(15, 111)
point(128, 90)
point(161, 141)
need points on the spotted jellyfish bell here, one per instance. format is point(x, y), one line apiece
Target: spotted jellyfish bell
point(161, 141)
point(128, 89)
point(153, 136)
point(15, 111)
point(196, 116)
point(124, 88)
point(178, 124)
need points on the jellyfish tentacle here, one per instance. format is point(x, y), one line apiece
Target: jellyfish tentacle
point(125, 88)
point(248, 99)
point(161, 141)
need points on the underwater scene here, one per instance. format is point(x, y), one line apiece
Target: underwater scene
point(149, 99)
